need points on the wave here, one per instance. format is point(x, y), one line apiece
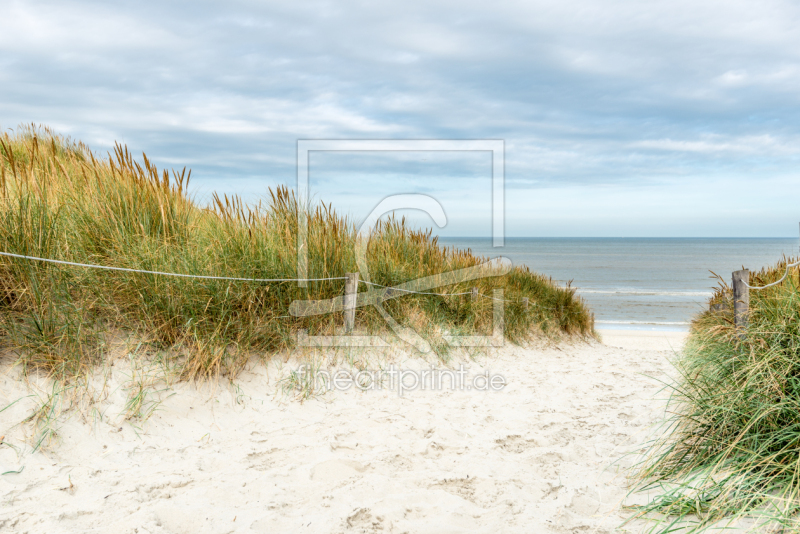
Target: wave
point(665, 293)
point(643, 322)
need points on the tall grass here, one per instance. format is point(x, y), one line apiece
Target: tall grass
point(732, 448)
point(57, 200)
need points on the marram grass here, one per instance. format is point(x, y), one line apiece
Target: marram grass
point(731, 450)
point(59, 201)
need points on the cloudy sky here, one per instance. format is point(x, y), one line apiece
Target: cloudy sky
point(620, 118)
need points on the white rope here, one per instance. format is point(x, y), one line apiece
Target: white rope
point(788, 266)
point(180, 275)
point(497, 299)
point(415, 292)
point(516, 301)
point(206, 277)
point(443, 294)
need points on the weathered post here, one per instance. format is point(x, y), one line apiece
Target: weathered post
point(741, 297)
point(474, 294)
point(525, 303)
point(350, 296)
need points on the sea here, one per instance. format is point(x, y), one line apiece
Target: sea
point(638, 283)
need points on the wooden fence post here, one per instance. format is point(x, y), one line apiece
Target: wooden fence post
point(350, 296)
point(741, 297)
point(474, 294)
point(525, 303)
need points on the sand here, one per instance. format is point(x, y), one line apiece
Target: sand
point(544, 454)
point(643, 339)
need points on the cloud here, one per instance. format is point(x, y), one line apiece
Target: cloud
point(755, 144)
point(585, 94)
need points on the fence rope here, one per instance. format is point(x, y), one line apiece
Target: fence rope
point(788, 266)
point(499, 300)
point(414, 292)
point(208, 277)
point(517, 301)
point(179, 275)
point(452, 294)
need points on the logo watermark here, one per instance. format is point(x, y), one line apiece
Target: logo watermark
point(376, 295)
point(399, 380)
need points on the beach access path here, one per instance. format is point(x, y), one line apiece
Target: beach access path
point(545, 454)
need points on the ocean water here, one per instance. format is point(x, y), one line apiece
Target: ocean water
point(638, 283)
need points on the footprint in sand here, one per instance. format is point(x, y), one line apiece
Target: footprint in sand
point(478, 491)
point(362, 520)
point(400, 463)
point(585, 502)
point(462, 487)
point(562, 438)
point(433, 450)
point(548, 463)
point(516, 444)
point(261, 460)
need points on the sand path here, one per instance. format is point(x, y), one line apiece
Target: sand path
point(534, 457)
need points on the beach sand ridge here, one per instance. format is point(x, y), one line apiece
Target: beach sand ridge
point(545, 454)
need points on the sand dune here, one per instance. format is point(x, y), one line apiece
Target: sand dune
point(538, 456)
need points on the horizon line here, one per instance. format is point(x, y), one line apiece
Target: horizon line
point(617, 237)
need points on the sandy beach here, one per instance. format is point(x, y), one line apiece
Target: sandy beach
point(544, 454)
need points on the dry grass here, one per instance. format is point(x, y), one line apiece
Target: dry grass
point(57, 200)
point(732, 449)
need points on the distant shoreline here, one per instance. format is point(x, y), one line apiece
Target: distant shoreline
point(654, 283)
point(489, 238)
point(640, 327)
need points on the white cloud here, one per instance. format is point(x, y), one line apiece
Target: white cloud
point(74, 29)
point(762, 145)
point(584, 93)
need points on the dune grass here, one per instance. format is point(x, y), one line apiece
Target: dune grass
point(732, 448)
point(59, 201)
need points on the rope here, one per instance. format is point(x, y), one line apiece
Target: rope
point(788, 266)
point(448, 294)
point(206, 277)
point(499, 300)
point(415, 292)
point(180, 275)
point(518, 302)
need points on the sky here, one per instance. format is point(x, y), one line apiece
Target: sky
point(619, 118)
